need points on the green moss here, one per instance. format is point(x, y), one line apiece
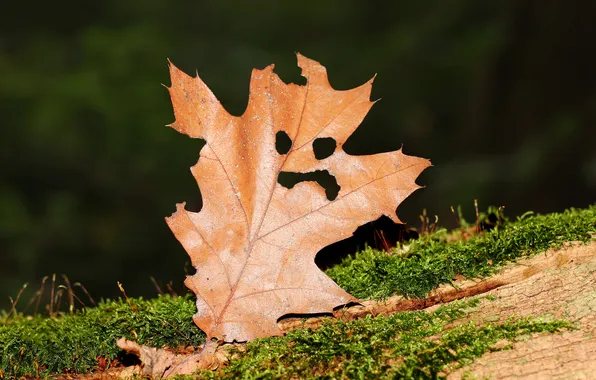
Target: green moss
point(44, 345)
point(411, 345)
point(432, 261)
point(399, 344)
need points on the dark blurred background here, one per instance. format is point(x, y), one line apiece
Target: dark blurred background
point(501, 95)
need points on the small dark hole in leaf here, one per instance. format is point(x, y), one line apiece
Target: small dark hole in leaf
point(323, 147)
point(283, 143)
point(322, 177)
point(194, 202)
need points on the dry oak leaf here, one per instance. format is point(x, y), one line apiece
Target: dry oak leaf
point(254, 241)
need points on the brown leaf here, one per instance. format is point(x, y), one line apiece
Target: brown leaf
point(160, 363)
point(254, 242)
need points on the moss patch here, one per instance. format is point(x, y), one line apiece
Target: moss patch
point(410, 344)
point(73, 343)
point(414, 345)
point(431, 261)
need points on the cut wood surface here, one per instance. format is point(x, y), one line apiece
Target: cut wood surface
point(559, 283)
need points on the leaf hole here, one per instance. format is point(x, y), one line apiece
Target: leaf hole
point(323, 147)
point(194, 202)
point(322, 177)
point(283, 143)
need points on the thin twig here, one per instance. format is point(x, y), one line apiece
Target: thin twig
point(175, 329)
point(126, 297)
point(70, 294)
point(73, 295)
point(156, 285)
point(39, 293)
point(500, 220)
point(424, 226)
point(52, 294)
point(434, 225)
point(478, 228)
point(59, 294)
point(457, 219)
point(171, 289)
point(14, 303)
point(86, 292)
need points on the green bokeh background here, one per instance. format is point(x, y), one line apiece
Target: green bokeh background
point(501, 95)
